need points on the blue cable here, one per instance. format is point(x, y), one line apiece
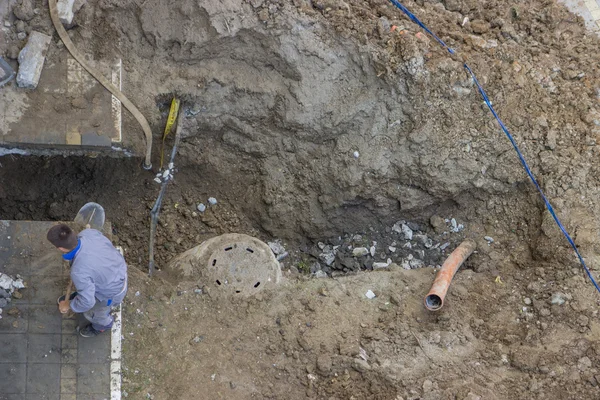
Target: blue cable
point(508, 135)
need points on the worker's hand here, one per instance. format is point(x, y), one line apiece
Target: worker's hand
point(64, 306)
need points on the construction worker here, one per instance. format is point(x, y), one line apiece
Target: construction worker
point(99, 273)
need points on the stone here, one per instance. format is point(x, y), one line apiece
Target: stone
point(65, 12)
point(5, 282)
point(31, 60)
point(21, 35)
point(480, 26)
point(3, 303)
point(324, 363)
point(438, 224)
point(360, 251)
point(201, 207)
point(20, 26)
point(427, 386)
point(527, 301)
point(276, 247)
point(320, 274)
point(370, 294)
point(327, 258)
point(558, 299)
point(360, 365)
point(407, 232)
point(24, 11)
point(212, 201)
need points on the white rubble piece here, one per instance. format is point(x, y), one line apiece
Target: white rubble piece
point(360, 251)
point(31, 60)
point(370, 294)
point(276, 247)
point(408, 233)
point(65, 12)
point(6, 282)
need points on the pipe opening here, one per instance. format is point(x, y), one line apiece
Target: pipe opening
point(433, 302)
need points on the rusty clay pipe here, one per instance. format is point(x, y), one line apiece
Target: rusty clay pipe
point(435, 298)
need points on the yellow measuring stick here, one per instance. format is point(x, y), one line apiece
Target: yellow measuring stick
point(170, 122)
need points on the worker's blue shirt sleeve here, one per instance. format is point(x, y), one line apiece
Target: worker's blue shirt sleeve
point(86, 290)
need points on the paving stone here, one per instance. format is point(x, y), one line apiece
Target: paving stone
point(68, 385)
point(43, 396)
point(69, 341)
point(93, 379)
point(45, 319)
point(68, 371)
point(93, 139)
point(7, 323)
point(43, 378)
point(13, 349)
point(69, 356)
point(44, 348)
point(94, 350)
point(14, 378)
point(69, 326)
point(43, 289)
point(31, 60)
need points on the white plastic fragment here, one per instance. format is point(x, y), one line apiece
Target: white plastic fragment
point(370, 294)
point(212, 201)
point(201, 207)
point(356, 154)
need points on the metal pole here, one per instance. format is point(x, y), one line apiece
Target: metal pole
point(157, 205)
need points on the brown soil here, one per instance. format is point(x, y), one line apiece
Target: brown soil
point(279, 95)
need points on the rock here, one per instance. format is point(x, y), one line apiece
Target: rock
point(582, 320)
point(3, 303)
point(360, 365)
point(276, 247)
point(17, 295)
point(5, 282)
point(320, 274)
point(356, 154)
point(438, 224)
point(13, 52)
point(380, 265)
point(263, 15)
point(370, 294)
point(360, 252)
point(65, 12)
point(452, 5)
point(527, 301)
point(489, 239)
point(558, 299)
point(427, 386)
point(324, 363)
point(20, 26)
point(407, 232)
point(21, 35)
point(480, 26)
point(24, 11)
point(7, 24)
point(584, 363)
point(212, 201)
point(31, 60)
point(13, 312)
point(327, 258)
point(201, 207)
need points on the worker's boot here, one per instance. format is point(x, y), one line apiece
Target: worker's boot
point(89, 331)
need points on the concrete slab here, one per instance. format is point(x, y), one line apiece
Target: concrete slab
point(41, 354)
point(589, 10)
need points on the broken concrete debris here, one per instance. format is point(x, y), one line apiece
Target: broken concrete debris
point(6, 72)
point(65, 12)
point(9, 287)
point(31, 60)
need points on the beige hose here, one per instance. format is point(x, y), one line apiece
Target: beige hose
point(103, 81)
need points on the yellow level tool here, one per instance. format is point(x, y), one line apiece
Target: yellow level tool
point(170, 122)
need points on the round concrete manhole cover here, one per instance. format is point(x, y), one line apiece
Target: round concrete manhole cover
point(235, 264)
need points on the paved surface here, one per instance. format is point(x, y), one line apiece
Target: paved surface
point(69, 109)
point(589, 10)
point(41, 354)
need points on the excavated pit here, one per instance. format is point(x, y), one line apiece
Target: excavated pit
point(319, 124)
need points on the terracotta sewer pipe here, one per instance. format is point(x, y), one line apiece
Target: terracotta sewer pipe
point(435, 298)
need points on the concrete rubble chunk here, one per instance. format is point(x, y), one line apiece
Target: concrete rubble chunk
point(65, 12)
point(31, 60)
